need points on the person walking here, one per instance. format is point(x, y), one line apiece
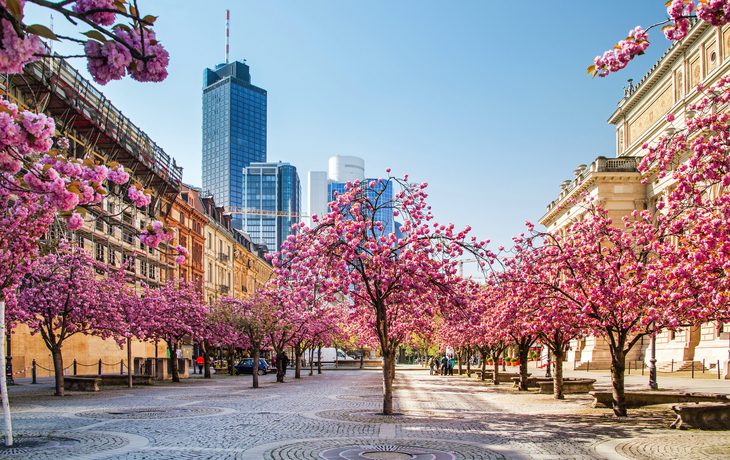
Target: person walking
point(431, 363)
point(444, 365)
point(285, 360)
point(451, 366)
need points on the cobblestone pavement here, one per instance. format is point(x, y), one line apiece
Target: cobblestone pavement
point(335, 416)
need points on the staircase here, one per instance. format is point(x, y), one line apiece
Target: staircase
point(679, 366)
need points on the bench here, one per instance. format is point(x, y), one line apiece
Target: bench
point(647, 398)
point(118, 379)
point(532, 382)
point(570, 386)
point(81, 383)
point(703, 416)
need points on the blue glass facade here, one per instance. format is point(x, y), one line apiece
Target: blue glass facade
point(273, 187)
point(234, 131)
point(384, 214)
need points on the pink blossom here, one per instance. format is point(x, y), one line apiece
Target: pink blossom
point(75, 222)
point(15, 51)
point(104, 18)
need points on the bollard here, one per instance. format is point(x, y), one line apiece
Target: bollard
point(100, 367)
point(588, 367)
point(672, 365)
point(642, 368)
point(718, 369)
point(693, 369)
point(703, 365)
point(33, 373)
point(75, 371)
point(121, 367)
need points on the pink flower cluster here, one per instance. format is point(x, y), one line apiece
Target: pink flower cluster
point(15, 51)
point(104, 18)
point(138, 196)
point(107, 61)
point(183, 257)
point(679, 11)
point(716, 12)
point(75, 222)
point(616, 59)
point(118, 175)
point(112, 60)
point(155, 234)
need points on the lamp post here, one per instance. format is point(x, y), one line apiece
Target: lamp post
point(652, 365)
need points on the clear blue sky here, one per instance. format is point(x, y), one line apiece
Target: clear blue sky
point(487, 102)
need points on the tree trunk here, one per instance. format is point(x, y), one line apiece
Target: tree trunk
point(172, 346)
point(618, 366)
point(311, 360)
point(231, 363)
point(3, 378)
point(362, 357)
point(255, 370)
point(206, 360)
point(129, 362)
point(388, 357)
point(558, 354)
point(319, 359)
point(484, 366)
point(57, 369)
point(524, 355)
point(495, 374)
point(468, 362)
point(460, 357)
point(280, 365)
point(298, 358)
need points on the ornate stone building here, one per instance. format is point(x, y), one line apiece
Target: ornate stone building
point(669, 87)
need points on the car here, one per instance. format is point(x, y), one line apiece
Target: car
point(245, 366)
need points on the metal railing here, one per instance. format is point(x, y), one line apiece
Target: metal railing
point(66, 82)
point(223, 289)
point(223, 257)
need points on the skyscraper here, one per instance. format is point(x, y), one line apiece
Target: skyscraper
point(234, 131)
point(272, 188)
point(342, 169)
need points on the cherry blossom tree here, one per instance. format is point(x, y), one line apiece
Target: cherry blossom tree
point(64, 295)
point(172, 311)
point(392, 282)
point(680, 13)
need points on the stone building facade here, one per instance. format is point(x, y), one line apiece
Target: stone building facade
point(617, 185)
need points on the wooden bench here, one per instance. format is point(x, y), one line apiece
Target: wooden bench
point(118, 379)
point(647, 398)
point(570, 386)
point(81, 383)
point(702, 416)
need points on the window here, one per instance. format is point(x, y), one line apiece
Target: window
point(99, 224)
point(210, 273)
point(111, 257)
point(152, 272)
point(210, 244)
point(142, 268)
point(99, 252)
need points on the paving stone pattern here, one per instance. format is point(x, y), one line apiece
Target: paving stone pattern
point(335, 416)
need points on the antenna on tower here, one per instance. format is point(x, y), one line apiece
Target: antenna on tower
point(228, 26)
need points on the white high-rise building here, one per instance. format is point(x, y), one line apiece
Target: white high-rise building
point(342, 169)
point(317, 200)
point(346, 169)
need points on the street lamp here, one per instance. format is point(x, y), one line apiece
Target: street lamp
point(9, 363)
point(652, 365)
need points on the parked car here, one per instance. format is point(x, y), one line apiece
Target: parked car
point(245, 366)
point(328, 356)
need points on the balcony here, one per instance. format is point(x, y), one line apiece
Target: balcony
point(223, 289)
point(223, 257)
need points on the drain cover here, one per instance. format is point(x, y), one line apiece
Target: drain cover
point(36, 444)
point(385, 452)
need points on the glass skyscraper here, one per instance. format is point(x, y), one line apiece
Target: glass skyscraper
point(385, 189)
point(234, 131)
point(271, 188)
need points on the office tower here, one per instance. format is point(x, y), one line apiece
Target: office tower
point(344, 169)
point(272, 195)
point(234, 131)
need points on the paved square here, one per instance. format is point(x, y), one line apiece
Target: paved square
point(335, 416)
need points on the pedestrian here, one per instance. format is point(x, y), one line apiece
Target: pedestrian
point(444, 365)
point(285, 361)
point(451, 366)
point(200, 361)
point(431, 363)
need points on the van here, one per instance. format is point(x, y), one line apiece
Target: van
point(328, 355)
